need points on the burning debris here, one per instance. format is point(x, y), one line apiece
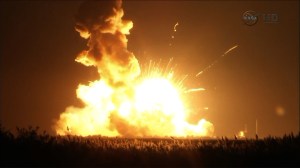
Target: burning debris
point(216, 61)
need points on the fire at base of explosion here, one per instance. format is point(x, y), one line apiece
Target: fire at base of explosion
point(30, 148)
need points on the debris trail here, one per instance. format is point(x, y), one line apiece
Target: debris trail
point(194, 90)
point(216, 61)
point(175, 26)
point(173, 33)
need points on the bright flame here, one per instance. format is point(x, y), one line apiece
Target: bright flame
point(152, 106)
point(241, 134)
point(124, 102)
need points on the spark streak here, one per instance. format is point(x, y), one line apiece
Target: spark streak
point(194, 90)
point(216, 61)
point(173, 33)
point(175, 26)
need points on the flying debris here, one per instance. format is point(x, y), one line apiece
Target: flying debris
point(173, 33)
point(194, 90)
point(232, 48)
point(216, 61)
point(175, 26)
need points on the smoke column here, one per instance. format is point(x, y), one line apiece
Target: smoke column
point(101, 22)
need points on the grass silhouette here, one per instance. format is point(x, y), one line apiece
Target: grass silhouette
point(31, 148)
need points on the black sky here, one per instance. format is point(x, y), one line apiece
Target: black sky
point(39, 44)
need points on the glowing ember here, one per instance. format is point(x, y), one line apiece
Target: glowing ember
point(124, 102)
point(241, 134)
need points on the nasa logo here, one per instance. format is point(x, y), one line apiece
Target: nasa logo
point(250, 18)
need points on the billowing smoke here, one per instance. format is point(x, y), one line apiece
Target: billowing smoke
point(101, 23)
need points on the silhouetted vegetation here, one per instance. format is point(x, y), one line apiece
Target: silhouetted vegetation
point(30, 148)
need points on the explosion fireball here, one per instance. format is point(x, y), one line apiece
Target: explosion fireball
point(125, 101)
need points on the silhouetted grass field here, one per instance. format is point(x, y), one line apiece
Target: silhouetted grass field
point(30, 148)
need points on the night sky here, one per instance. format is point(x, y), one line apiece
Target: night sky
point(39, 76)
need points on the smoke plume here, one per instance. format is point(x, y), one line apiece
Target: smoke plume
point(101, 23)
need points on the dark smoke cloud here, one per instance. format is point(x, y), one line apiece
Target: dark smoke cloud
point(92, 15)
